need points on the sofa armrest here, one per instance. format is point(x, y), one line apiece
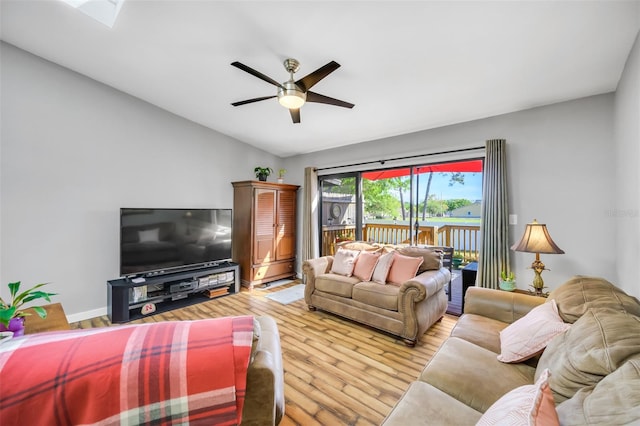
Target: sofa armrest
point(311, 268)
point(422, 287)
point(264, 400)
point(500, 305)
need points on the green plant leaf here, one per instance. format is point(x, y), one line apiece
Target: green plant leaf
point(13, 288)
point(6, 315)
point(18, 300)
point(42, 313)
point(38, 295)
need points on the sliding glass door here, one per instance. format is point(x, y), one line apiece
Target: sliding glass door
point(436, 204)
point(340, 212)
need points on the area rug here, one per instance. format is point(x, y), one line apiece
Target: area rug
point(288, 295)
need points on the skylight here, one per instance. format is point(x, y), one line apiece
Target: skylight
point(103, 11)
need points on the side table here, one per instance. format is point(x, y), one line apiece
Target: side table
point(469, 273)
point(56, 320)
point(530, 293)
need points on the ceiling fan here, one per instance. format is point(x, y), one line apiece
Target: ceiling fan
point(293, 94)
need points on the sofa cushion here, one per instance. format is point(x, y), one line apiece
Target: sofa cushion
point(480, 330)
point(376, 294)
point(528, 336)
point(432, 259)
point(403, 268)
point(365, 264)
point(615, 400)
point(473, 375)
point(358, 245)
point(425, 404)
point(526, 405)
point(382, 268)
point(336, 284)
point(580, 293)
point(595, 346)
point(344, 261)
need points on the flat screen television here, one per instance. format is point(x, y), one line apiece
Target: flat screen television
point(156, 241)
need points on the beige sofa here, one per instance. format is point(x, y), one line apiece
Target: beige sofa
point(594, 365)
point(406, 311)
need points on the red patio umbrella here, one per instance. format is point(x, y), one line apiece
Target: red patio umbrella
point(470, 166)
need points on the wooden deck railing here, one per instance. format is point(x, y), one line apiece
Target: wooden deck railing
point(463, 238)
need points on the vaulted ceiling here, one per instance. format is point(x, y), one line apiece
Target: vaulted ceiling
point(407, 66)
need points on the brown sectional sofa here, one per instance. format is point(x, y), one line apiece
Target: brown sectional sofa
point(594, 365)
point(264, 402)
point(406, 311)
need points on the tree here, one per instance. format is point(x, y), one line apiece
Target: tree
point(456, 177)
point(378, 199)
point(456, 203)
point(436, 207)
point(402, 183)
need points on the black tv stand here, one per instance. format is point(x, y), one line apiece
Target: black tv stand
point(131, 298)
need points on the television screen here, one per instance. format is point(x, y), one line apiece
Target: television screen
point(160, 240)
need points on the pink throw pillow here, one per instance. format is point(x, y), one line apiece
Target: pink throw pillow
point(365, 264)
point(382, 268)
point(526, 405)
point(344, 261)
point(403, 268)
point(528, 336)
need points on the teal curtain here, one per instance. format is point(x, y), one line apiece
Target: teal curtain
point(494, 222)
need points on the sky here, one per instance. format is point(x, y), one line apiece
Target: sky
point(471, 190)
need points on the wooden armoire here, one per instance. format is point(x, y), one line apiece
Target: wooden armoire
point(264, 231)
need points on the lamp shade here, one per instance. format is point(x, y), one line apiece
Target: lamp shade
point(536, 239)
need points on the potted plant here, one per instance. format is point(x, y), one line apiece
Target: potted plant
point(11, 316)
point(281, 174)
point(456, 260)
point(262, 173)
point(507, 281)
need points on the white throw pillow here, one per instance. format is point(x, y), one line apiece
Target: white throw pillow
point(528, 336)
point(382, 268)
point(344, 261)
point(525, 405)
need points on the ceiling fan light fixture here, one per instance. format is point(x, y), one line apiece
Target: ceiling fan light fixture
point(291, 96)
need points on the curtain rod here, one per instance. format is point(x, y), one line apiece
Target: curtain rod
point(453, 151)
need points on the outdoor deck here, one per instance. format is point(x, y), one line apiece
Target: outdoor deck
point(463, 238)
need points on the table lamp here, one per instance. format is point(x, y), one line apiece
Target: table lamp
point(536, 239)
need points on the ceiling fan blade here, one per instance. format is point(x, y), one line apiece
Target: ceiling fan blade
point(248, 101)
point(308, 81)
point(322, 99)
point(295, 115)
point(255, 73)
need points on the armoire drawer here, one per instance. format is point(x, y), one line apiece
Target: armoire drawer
point(268, 270)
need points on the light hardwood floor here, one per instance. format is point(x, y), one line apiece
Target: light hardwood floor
point(337, 372)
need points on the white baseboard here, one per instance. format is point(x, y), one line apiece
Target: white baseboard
point(81, 316)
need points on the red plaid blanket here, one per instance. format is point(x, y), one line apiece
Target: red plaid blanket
point(184, 372)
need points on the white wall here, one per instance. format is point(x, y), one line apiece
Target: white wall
point(625, 211)
point(73, 151)
point(561, 172)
